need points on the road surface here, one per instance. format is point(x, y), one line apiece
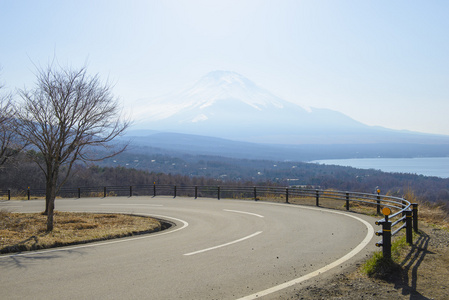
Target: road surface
point(219, 249)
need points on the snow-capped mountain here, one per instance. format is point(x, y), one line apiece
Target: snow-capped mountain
point(215, 88)
point(228, 105)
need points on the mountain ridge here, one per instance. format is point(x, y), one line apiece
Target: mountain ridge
point(228, 105)
point(180, 144)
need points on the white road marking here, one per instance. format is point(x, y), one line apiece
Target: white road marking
point(244, 212)
point(184, 225)
point(334, 264)
point(224, 245)
point(132, 204)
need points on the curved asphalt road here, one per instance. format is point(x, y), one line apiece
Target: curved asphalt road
point(220, 249)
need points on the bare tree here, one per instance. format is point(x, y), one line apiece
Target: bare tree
point(9, 143)
point(66, 116)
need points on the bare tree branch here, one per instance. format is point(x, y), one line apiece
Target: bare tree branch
point(10, 144)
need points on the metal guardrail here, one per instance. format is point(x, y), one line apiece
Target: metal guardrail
point(5, 193)
point(405, 217)
point(404, 214)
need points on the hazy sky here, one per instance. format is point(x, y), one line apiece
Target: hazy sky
point(381, 62)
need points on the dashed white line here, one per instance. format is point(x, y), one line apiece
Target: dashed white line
point(224, 245)
point(244, 212)
point(132, 204)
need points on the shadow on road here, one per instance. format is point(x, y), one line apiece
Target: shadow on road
point(23, 260)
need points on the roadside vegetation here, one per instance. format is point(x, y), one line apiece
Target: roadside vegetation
point(378, 266)
point(27, 231)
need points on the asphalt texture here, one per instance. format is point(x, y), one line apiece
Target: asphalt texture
point(218, 249)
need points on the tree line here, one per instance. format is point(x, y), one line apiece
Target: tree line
point(22, 173)
point(285, 173)
point(209, 171)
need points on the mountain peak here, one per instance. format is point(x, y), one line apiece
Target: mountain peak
point(219, 74)
point(227, 77)
point(218, 86)
point(225, 80)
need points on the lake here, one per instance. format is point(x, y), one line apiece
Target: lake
point(429, 166)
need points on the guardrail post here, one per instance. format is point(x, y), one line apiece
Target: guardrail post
point(255, 194)
point(378, 204)
point(386, 239)
point(347, 201)
point(104, 192)
point(130, 190)
point(79, 193)
point(415, 216)
point(408, 227)
point(154, 190)
point(286, 195)
point(218, 193)
point(28, 193)
point(196, 192)
point(317, 202)
point(9, 194)
point(386, 234)
point(174, 192)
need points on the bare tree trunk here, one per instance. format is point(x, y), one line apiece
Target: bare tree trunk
point(48, 190)
point(47, 201)
point(50, 196)
point(50, 211)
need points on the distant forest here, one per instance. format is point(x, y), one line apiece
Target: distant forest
point(138, 169)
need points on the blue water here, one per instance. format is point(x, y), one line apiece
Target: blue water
point(428, 166)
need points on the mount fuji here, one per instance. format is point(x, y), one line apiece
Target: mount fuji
point(227, 105)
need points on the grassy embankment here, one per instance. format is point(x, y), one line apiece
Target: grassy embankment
point(27, 231)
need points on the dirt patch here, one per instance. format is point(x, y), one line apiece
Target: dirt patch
point(423, 274)
point(27, 231)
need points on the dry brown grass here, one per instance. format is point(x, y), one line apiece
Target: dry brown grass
point(27, 231)
point(433, 214)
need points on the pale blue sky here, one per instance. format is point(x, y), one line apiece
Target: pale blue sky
point(381, 62)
